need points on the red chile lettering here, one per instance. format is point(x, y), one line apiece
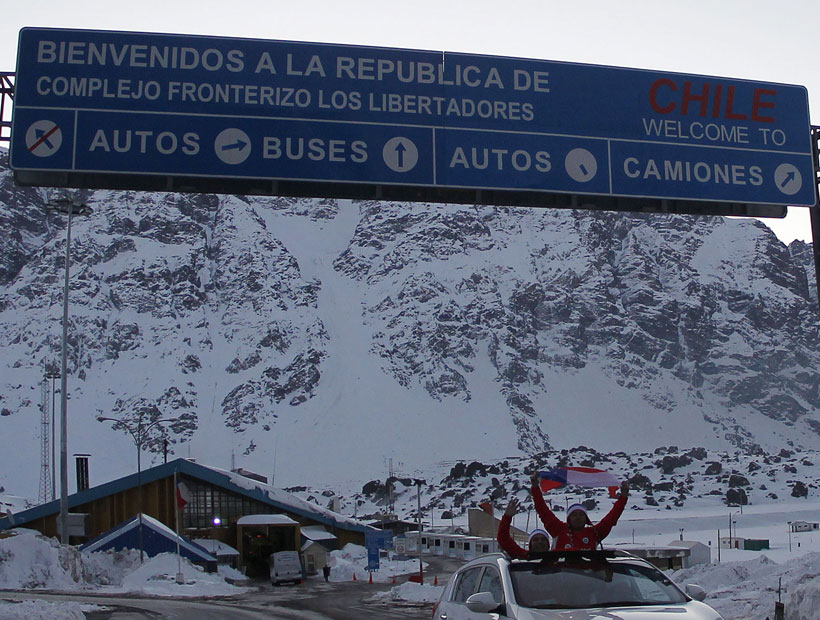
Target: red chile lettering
point(730, 103)
point(653, 96)
point(757, 104)
point(663, 99)
point(689, 97)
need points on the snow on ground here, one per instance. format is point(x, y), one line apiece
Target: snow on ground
point(43, 610)
point(741, 585)
point(352, 559)
point(157, 577)
point(748, 589)
point(30, 561)
point(411, 592)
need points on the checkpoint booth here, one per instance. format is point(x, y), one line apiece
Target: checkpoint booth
point(259, 536)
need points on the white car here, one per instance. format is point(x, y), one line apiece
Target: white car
point(571, 585)
point(285, 566)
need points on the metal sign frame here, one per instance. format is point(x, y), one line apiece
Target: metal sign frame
point(6, 104)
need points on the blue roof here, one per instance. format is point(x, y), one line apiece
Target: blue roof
point(258, 491)
point(156, 538)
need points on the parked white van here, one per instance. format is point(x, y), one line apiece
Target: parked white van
point(285, 566)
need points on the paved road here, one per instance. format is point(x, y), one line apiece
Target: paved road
point(313, 600)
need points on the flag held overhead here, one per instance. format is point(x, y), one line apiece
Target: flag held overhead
point(578, 476)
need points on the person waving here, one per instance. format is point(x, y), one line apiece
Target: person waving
point(538, 542)
point(577, 532)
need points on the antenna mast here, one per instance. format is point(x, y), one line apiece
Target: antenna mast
point(45, 448)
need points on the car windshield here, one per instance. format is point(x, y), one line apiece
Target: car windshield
point(578, 584)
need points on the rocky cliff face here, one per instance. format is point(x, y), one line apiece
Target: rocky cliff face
point(707, 303)
point(263, 324)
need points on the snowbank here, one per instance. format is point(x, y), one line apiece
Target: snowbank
point(157, 577)
point(42, 610)
point(412, 592)
point(741, 590)
point(352, 560)
point(30, 561)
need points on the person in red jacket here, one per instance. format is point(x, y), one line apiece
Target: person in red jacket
point(578, 532)
point(539, 540)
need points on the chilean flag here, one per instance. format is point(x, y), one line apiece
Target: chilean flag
point(578, 476)
point(183, 495)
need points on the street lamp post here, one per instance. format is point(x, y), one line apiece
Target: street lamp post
point(69, 207)
point(138, 435)
point(732, 522)
point(53, 374)
point(419, 482)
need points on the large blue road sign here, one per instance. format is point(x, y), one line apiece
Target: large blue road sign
point(124, 103)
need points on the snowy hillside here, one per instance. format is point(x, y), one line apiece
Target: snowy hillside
point(313, 340)
point(663, 482)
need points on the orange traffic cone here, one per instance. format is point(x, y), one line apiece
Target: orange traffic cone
point(354, 576)
point(435, 580)
point(371, 577)
point(394, 580)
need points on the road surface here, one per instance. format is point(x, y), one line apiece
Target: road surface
point(312, 600)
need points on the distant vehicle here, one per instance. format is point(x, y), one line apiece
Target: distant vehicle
point(576, 585)
point(284, 567)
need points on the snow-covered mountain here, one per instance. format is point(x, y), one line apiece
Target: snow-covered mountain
point(313, 340)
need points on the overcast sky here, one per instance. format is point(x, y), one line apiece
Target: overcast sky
point(750, 39)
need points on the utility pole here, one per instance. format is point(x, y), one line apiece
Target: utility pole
point(419, 482)
point(69, 207)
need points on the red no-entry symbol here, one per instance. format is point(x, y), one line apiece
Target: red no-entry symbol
point(44, 138)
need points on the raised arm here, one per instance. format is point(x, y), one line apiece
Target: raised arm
point(505, 541)
point(603, 528)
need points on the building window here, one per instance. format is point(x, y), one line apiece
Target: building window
point(208, 502)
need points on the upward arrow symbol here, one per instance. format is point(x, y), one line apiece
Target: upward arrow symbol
point(400, 149)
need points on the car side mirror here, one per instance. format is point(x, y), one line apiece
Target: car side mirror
point(482, 603)
point(695, 591)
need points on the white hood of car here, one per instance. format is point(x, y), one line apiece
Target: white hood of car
point(689, 611)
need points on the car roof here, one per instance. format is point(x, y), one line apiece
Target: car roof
point(488, 557)
point(593, 556)
point(597, 555)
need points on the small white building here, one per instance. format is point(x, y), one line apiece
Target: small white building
point(223, 552)
point(317, 542)
point(450, 545)
point(803, 526)
point(732, 542)
point(698, 552)
point(668, 557)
